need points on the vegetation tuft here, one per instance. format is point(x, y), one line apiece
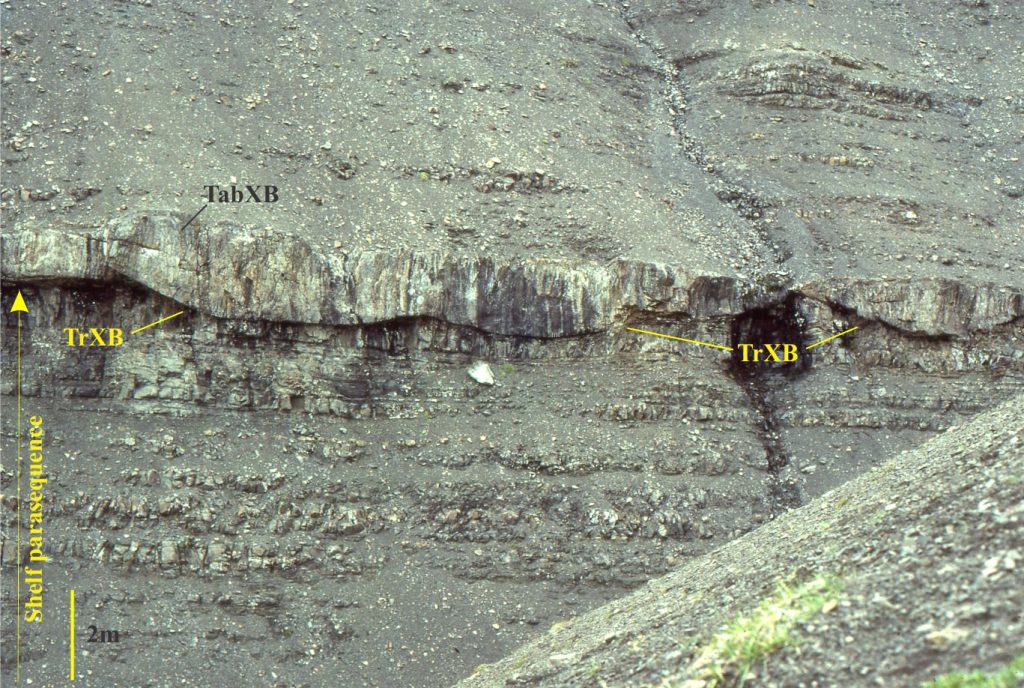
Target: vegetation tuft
point(1009, 676)
point(726, 659)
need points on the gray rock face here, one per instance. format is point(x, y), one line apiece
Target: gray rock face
point(870, 139)
point(662, 631)
point(231, 273)
point(452, 192)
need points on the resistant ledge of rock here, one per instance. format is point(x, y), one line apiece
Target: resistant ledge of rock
point(229, 272)
point(932, 307)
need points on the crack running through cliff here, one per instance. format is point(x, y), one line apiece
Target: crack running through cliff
point(778, 324)
point(740, 199)
point(761, 382)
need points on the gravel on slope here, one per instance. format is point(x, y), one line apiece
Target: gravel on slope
point(927, 548)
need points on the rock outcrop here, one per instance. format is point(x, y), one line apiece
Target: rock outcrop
point(923, 551)
point(281, 475)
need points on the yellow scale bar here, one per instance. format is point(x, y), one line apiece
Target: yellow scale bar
point(72, 676)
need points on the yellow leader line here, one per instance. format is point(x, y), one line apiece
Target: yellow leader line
point(152, 324)
point(681, 339)
point(72, 634)
point(829, 339)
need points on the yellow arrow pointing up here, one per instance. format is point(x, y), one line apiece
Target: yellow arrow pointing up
point(19, 307)
point(19, 304)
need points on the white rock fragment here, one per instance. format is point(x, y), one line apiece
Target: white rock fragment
point(481, 372)
point(168, 552)
point(945, 637)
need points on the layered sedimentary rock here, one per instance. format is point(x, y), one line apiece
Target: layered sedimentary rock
point(230, 272)
point(233, 273)
point(374, 333)
point(883, 541)
point(456, 195)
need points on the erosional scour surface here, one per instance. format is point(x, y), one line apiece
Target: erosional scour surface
point(297, 480)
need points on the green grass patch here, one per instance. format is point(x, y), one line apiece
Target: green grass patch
point(559, 626)
point(1009, 676)
point(728, 656)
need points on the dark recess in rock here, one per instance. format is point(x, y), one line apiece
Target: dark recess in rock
point(778, 325)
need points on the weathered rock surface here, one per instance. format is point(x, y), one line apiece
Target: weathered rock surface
point(229, 272)
point(453, 191)
point(933, 531)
